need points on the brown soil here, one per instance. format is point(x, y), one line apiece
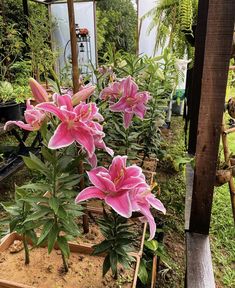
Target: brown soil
point(44, 270)
point(95, 236)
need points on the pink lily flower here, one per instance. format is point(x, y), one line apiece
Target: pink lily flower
point(132, 102)
point(39, 93)
point(141, 200)
point(77, 124)
point(33, 117)
point(112, 92)
point(84, 93)
point(113, 185)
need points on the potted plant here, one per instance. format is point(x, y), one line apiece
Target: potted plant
point(9, 109)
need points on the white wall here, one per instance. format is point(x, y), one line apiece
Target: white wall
point(84, 16)
point(146, 40)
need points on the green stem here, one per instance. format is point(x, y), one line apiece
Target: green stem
point(26, 250)
point(127, 142)
point(65, 263)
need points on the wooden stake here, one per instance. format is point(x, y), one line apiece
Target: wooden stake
point(218, 42)
point(227, 160)
point(76, 86)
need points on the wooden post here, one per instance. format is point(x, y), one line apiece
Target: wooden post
point(76, 86)
point(25, 7)
point(219, 34)
point(195, 89)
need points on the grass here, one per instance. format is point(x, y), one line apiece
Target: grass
point(222, 228)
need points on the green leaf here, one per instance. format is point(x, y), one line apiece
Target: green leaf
point(102, 247)
point(106, 265)
point(54, 204)
point(32, 235)
point(47, 155)
point(62, 213)
point(34, 163)
point(152, 245)
point(52, 236)
point(38, 214)
point(113, 261)
point(63, 245)
point(143, 273)
point(45, 231)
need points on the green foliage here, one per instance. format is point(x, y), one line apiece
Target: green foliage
point(173, 20)
point(116, 244)
point(6, 91)
point(116, 25)
point(19, 213)
point(55, 210)
point(11, 45)
point(42, 57)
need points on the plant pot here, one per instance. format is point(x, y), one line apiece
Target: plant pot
point(178, 108)
point(222, 177)
point(9, 111)
point(70, 280)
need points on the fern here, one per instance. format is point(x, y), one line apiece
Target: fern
point(186, 16)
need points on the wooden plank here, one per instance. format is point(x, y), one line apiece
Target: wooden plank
point(199, 270)
point(220, 24)
point(188, 196)
point(195, 89)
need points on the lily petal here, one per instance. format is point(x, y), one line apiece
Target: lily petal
point(127, 117)
point(39, 93)
point(100, 178)
point(88, 193)
point(62, 137)
point(144, 209)
point(84, 137)
point(157, 204)
point(20, 124)
point(52, 108)
point(120, 202)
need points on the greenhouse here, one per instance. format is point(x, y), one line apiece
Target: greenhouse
point(117, 143)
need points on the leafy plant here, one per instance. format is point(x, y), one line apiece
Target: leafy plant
point(116, 244)
point(19, 213)
point(56, 210)
point(6, 91)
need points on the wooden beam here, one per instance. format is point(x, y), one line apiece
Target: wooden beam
point(195, 89)
point(76, 86)
point(74, 48)
point(220, 24)
point(199, 270)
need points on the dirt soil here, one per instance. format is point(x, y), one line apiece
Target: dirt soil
point(45, 271)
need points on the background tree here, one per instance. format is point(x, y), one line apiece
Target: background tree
point(117, 25)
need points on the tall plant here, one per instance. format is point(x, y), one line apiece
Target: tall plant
point(173, 20)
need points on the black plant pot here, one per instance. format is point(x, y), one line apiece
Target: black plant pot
point(10, 111)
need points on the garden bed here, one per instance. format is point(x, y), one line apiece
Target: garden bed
point(45, 270)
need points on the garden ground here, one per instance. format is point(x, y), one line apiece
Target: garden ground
point(172, 183)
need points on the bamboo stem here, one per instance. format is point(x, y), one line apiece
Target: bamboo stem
point(76, 86)
point(26, 250)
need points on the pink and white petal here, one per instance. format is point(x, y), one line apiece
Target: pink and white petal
point(117, 168)
point(52, 108)
point(127, 117)
point(144, 209)
point(88, 193)
point(120, 106)
point(84, 137)
point(62, 137)
point(20, 124)
point(130, 87)
point(133, 171)
point(157, 204)
point(92, 160)
point(120, 202)
point(65, 100)
point(100, 178)
point(140, 110)
point(38, 91)
point(131, 182)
